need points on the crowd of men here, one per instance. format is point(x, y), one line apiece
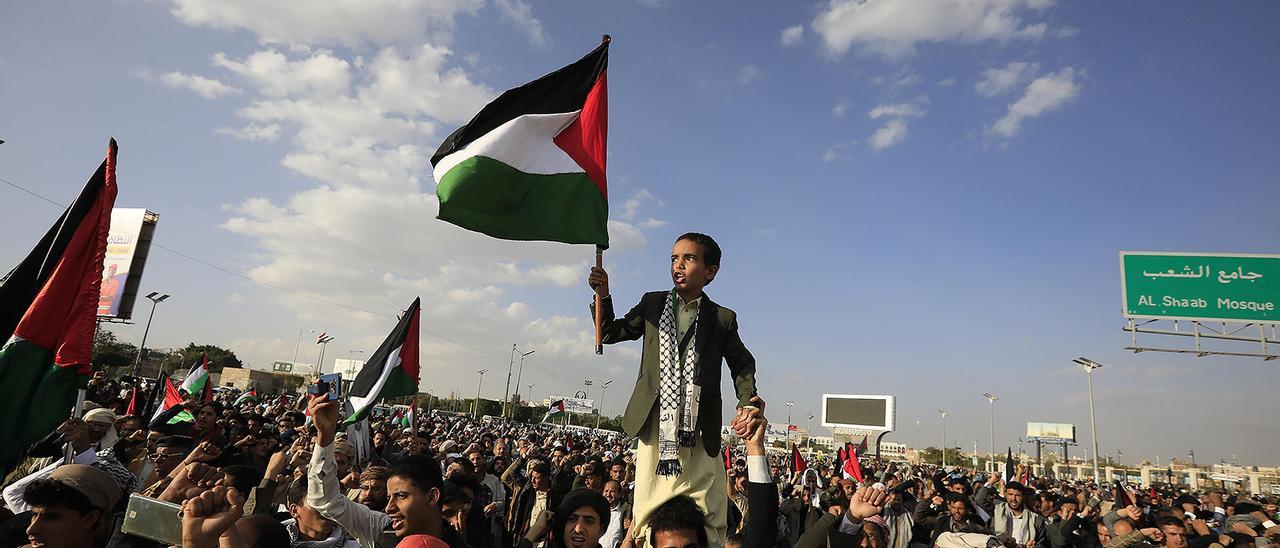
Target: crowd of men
point(280, 470)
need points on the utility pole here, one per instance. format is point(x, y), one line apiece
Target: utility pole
point(944, 437)
point(506, 394)
point(604, 385)
point(475, 409)
point(1089, 366)
point(918, 448)
point(790, 404)
point(520, 374)
point(808, 441)
point(991, 399)
point(156, 298)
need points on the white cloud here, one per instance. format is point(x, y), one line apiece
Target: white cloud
point(1042, 95)
point(521, 13)
point(894, 130)
point(840, 108)
point(1066, 32)
point(267, 134)
point(894, 28)
point(273, 74)
point(792, 35)
point(347, 22)
point(748, 75)
point(892, 133)
point(899, 110)
point(834, 152)
point(996, 81)
point(946, 83)
point(205, 87)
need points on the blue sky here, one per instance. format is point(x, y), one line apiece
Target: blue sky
point(918, 198)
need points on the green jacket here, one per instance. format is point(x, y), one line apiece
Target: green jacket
point(717, 339)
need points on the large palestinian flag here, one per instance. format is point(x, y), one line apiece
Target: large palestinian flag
point(391, 371)
point(48, 304)
point(531, 164)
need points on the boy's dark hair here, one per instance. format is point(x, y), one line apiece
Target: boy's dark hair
point(452, 492)
point(466, 464)
point(48, 492)
point(421, 470)
point(297, 492)
point(465, 482)
point(181, 442)
point(710, 249)
point(245, 477)
point(678, 514)
point(1170, 521)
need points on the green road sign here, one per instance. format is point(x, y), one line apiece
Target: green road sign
point(1200, 286)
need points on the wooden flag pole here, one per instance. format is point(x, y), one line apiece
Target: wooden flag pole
point(599, 297)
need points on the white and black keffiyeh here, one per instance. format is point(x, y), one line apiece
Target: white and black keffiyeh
point(679, 392)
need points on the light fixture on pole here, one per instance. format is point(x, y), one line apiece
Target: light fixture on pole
point(918, 448)
point(944, 437)
point(156, 298)
point(1089, 365)
point(323, 340)
point(808, 439)
point(296, 345)
point(991, 399)
point(604, 385)
point(475, 409)
point(790, 404)
point(506, 394)
point(520, 374)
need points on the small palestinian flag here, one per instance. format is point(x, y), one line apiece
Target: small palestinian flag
point(852, 468)
point(728, 458)
point(197, 381)
point(247, 397)
point(531, 164)
point(135, 402)
point(392, 369)
point(798, 464)
point(48, 304)
point(554, 410)
point(170, 411)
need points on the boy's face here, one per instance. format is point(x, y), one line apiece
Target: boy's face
point(688, 270)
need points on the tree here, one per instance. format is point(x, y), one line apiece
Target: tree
point(110, 351)
point(933, 455)
point(218, 358)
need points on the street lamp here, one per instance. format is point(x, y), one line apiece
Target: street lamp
point(944, 437)
point(790, 404)
point(991, 399)
point(296, 345)
point(1089, 365)
point(604, 385)
point(918, 448)
point(520, 374)
point(506, 394)
point(475, 409)
point(808, 440)
point(323, 340)
point(156, 298)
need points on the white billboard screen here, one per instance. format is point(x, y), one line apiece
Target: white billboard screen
point(128, 244)
point(1051, 431)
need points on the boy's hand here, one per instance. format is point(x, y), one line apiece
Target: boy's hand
point(745, 421)
point(325, 415)
point(599, 280)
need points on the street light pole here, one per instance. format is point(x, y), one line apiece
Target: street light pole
point(604, 385)
point(918, 448)
point(475, 409)
point(790, 404)
point(944, 437)
point(506, 394)
point(991, 399)
point(156, 298)
point(520, 374)
point(296, 345)
point(808, 440)
point(1089, 366)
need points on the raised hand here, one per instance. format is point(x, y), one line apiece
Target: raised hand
point(204, 452)
point(325, 414)
point(598, 279)
point(209, 515)
point(867, 502)
point(191, 480)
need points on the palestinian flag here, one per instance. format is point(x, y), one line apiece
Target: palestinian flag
point(728, 458)
point(197, 381)
point(554, 410)
point(852, 468)
point(155, 396)
point(862, 447)
point(135, 402)
point(392, 369)
point(1008, 467)
point(250, 396)
point(531, 164)
point(48, 306)
point(171, 412)
point(797, 464)
point(406, 420)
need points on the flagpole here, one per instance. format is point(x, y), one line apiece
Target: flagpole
point(599, 297)
point(70, 451)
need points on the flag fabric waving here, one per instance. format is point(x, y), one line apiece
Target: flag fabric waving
point(728, 458)
point(554, 410)
point(852, 468)
point(48, 306)
point(531, 164)
point(155, 396)
point(251, 395)
point(135, 402)
point(392, 369)
point(1008, 467)
point(197, 381)
point(798, 464)
point(171, 408)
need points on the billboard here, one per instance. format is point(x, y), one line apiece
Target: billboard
point(1052, 431)
point(128, 243)
point(1200, 286)
point(348, 368)
point(574, 405)
point(859, 412)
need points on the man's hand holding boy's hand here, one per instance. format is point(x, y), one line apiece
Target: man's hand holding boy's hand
point(599, 280)
point(748, 417)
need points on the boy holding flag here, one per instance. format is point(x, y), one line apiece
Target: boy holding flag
point(686, 336)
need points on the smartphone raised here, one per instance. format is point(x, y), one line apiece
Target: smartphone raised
point(153, 519)
point(330, 384)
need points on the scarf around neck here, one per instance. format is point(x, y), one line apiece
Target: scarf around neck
point(679, 392)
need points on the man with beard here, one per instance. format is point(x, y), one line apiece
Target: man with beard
point(308, 528)
point(373, 488)
point(897, 518)
point(1012, 517)
point(617, 509)
point(958, 519)
point(579, 522)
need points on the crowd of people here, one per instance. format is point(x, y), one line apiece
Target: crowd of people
point(281, 470)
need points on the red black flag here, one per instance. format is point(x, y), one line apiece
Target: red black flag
point(48, 308)
point(728, 458)
point(798, 464)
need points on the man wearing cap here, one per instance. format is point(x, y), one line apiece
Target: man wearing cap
point(71, 507)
